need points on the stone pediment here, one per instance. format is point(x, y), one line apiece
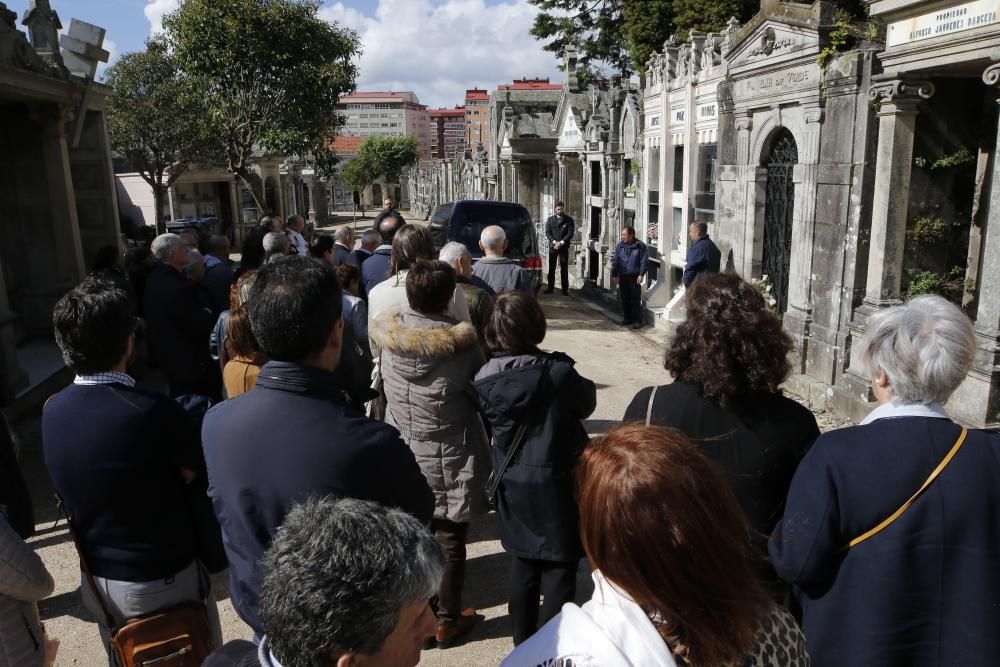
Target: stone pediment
point(773, 41)
point(569, 132)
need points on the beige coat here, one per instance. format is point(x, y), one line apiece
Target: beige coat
point(23, 582)
point(428, 363)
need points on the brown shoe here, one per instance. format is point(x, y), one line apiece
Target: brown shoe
point(449, 632)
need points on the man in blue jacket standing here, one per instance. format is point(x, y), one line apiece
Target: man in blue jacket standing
point(703, 255)
point(294, 435)
point(628, 269)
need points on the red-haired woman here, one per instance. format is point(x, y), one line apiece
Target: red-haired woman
point(728, 360)
point(674, 582)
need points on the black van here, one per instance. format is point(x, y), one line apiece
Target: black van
point(464, 220)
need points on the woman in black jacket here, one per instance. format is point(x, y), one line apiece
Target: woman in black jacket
point(728, 360)
point(521, 386)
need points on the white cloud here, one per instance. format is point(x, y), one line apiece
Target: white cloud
point(155, 10)
point(439, 49)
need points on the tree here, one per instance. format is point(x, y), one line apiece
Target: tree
point(358, 174)
point(154, 121)
point(597, 27)
point(388, 156)
point(270, 72)
point(711, 16)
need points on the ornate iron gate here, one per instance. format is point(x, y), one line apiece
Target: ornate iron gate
point(778, 206)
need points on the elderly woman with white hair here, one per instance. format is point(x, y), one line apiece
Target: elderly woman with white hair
point(891, 533)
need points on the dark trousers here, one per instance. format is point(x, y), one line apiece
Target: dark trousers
point(531, 578)
point(631, 295)
point(562, 256)
point(451, 536)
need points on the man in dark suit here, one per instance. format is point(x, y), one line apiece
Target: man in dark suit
point(123, 461)
point(559, 230)
point(179, 324)
point(294, 435)
point(376, 268)
point(218, 273)
point(387, 210)
point(343, 246)
point(703, 256)
point(370, 239)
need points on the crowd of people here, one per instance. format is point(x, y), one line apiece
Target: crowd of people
point(340, 412)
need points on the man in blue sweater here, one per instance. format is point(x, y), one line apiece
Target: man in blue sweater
point(121, 460)
point(628, 269)
point(294, 435)
point(703, 255)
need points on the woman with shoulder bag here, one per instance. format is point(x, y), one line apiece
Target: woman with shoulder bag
point(891, 535)
point(534, 402)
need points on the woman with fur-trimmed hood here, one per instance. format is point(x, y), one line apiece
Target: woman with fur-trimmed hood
point(428, 362)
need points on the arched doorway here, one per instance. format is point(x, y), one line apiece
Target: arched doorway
point(377, 196)
point(782, 156)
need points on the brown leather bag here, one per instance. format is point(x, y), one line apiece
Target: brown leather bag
point(178, 636)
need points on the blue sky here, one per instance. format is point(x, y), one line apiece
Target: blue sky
point(437, 48)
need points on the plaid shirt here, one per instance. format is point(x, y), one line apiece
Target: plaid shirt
point(107, 377)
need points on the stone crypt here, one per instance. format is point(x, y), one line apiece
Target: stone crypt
point(57, 193)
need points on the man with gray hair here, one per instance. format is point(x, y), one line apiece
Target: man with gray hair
point(346, 582)
point(370, 239)
point(194, 270)
point(275, 245)
point(343, 246)
point(178, 324)
point(501, 273)
point(478, 295)
point(294, 228)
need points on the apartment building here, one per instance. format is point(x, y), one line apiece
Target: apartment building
point(477, 119)
point(386, 114)
point(447, 132)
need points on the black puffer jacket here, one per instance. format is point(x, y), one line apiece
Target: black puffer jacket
point(535, 500)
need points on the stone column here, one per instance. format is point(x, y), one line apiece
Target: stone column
point(898, 100)
point(503, 180)
point(515, 189)
point(560, 177)
point(584, 224)
point(234, 206)
point(62, 198)
point(746, 185)
point(798, 316)
point(312, 197)
point(977, 400)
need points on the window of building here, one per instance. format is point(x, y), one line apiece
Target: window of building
point(595, 178)
point(653, 193)
point(678, 168)
point(707, 163)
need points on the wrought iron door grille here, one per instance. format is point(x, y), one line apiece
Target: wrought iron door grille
point(778, 207)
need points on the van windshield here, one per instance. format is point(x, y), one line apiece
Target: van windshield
point(471, 218)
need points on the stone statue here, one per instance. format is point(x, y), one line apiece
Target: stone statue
point(15, 51)
point(43, 26)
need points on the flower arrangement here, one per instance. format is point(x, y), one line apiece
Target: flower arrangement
point(765, 286)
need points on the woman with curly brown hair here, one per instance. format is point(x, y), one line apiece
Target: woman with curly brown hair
point(728, 360)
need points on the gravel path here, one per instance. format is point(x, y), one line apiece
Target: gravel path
point(620, 361)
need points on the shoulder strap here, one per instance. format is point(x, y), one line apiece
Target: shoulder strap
point(649, 408)
point(905, 506)
point(515, 446)
point(109, 619)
